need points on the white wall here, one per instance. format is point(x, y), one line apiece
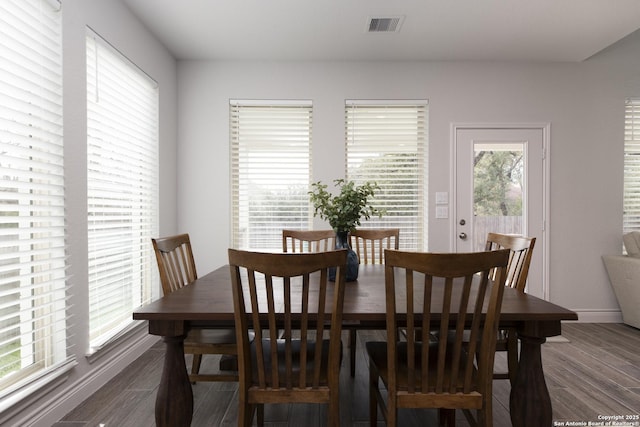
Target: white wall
point(117, 25)
point(583, 102)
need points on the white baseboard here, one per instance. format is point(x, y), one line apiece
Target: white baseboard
point(51, 411)
point(599, 316)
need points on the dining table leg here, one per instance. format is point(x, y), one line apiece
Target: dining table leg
point(174, 401)
point(530, 403)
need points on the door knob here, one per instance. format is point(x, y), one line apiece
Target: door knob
point(463, 235)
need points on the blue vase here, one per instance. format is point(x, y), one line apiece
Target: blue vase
point(353, 263)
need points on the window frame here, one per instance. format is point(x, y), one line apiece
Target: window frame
point(122, 190)
point(631, 186)
point(273, 138)
point(407, 127)
point(33, 199)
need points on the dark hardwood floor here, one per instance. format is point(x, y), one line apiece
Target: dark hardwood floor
point(593, 372)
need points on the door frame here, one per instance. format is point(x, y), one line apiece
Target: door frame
point(545, 128)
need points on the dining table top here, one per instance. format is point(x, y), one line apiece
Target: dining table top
point(210, 298)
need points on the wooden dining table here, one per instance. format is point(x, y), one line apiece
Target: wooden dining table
point(208, 301)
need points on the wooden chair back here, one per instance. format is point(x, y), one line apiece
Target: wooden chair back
point(176, 265)
point(519, 259)
point(443, 375)
point(288, 301)
point(370, 244)
point(177, 269)
point(304, 241)
point(517, 273)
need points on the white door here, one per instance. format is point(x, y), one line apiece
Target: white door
point(499, 186)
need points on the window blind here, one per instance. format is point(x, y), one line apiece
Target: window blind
point(631, 207)
point(33, 321)
point(122, 187)
point(270, 171)
point(386, 142)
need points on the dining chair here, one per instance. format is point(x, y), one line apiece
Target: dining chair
point(177, 268)
point(521, 250)
point(308, 240)
point(444, 374)
point(317, 241)
point(369, 244)
point(289, 302)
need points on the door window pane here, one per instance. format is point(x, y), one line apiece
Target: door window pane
point(498, 192)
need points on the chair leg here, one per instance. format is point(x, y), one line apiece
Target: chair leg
point(260, 411)
point(483, 418)
point(334, 410)
point(485, 415)
point(245, 413)
point(195, 365)
point(447, 417)
point(352, 350)
point(392, 411)
point(373, 398)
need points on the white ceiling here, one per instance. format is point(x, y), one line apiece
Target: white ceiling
point(327, 30)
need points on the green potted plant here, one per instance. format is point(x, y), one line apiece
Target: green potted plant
point(344, 212)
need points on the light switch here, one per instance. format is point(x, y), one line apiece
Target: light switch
point(442, 212)
point(442, 198)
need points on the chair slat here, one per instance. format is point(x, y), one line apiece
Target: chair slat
point(410, 326)
point(425, 330)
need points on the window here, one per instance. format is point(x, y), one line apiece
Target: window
point(631, 210)
point(33, 319)
point(385, 143)
point(270, 171)
point(122, 187)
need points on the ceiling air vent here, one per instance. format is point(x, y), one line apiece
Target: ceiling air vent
point(389, 24)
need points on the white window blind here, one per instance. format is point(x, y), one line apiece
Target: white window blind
point(631, 209)
point(33, 320)
point(270, 171)
point(386, 143)
point(122, 186)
